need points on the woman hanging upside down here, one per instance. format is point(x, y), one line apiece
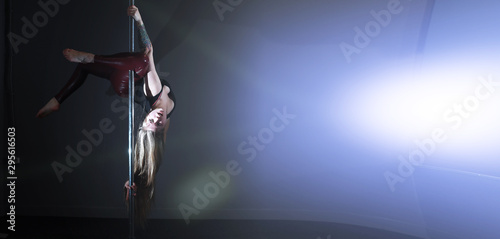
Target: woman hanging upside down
point(159, 102)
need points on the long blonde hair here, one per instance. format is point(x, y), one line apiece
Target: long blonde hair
point(148, 154)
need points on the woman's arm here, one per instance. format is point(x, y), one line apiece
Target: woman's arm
point(133, 11)
point(152, 81)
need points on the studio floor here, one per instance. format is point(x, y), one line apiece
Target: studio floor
point(77, 228)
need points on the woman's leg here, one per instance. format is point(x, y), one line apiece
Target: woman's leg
point(114, 68)
point(79, 76)
point(121, 64)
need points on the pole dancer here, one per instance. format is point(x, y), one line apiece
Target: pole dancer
point(152, 93)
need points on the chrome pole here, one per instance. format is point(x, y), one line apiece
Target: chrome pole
point(131, 90)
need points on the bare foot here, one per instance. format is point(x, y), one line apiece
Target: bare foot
point(50, 107)
point(78, 56)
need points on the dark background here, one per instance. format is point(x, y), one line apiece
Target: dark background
point(229, 75)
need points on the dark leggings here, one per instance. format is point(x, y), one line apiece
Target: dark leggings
point(115, 68)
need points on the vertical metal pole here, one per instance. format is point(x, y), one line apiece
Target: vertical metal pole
point(131, 90)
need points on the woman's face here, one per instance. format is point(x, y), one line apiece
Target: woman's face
point(155, 120)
